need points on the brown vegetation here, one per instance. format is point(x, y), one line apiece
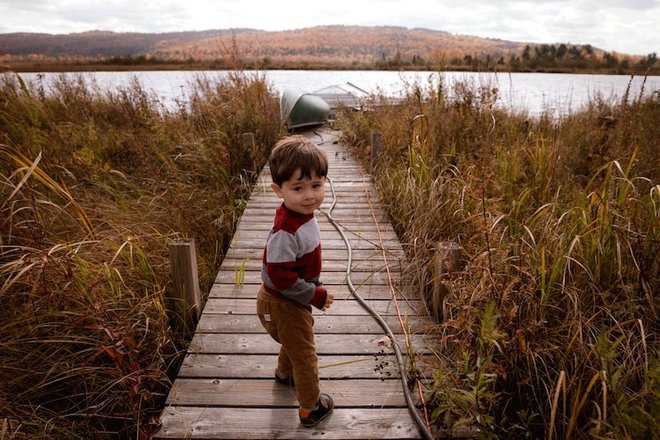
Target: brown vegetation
point(551, 330)
point(93, 187)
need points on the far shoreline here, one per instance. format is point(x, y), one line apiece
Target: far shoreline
point(215, 66)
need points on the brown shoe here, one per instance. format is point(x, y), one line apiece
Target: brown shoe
point(311, 417)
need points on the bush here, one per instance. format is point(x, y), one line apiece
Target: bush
point(552, 329)
point(95, 185)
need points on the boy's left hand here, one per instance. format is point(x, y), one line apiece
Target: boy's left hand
point(330, 298)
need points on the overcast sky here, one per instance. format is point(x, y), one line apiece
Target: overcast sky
point(628, 26)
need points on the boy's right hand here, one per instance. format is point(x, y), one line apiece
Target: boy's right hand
point(329, 299)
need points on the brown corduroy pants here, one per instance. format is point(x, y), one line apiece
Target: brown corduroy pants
point(291, 324)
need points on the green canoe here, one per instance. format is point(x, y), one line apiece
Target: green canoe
point(302, 109)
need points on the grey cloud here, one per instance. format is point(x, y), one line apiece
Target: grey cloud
point(626, 4)
point(125, 16)
point(21, 5)
point(582, 4)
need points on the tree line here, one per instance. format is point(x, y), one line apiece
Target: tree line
point(543, 57)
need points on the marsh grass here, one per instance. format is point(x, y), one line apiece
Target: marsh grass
point(93, 187)
point(551, 331)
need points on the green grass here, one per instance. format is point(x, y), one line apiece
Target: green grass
point(93, 187)
point(551, 331)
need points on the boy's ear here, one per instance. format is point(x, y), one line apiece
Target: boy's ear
point(277, 189)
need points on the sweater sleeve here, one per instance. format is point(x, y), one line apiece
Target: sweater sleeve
point(320, 296)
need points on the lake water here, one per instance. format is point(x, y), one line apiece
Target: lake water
point(535, 93)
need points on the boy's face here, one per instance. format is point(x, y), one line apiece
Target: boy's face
point(301, 195)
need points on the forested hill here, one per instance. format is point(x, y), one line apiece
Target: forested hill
point(355, 42)
point(99, 43)
point(321, 46)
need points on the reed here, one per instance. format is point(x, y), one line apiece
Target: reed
point(551, 331)
point(93, 187)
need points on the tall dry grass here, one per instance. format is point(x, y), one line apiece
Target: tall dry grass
point(93, 187)
point(551, 330)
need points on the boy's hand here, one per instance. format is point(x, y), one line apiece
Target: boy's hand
point(330, 298)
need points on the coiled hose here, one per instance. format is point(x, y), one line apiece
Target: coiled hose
point(386, 328)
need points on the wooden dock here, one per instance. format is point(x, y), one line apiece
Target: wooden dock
point(225, 387)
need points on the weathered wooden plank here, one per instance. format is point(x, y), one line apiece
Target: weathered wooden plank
point(366, 231)
point(239, 253)
point(259, 423)
point(261, 343)
point(329, 265)
point(321, 218)
point(263, 366)
point(372, 235)
point(368, 292)
point(355, 205)
point(323, 324)
point(341, 306)
point(266, 218)
point(354, 393)
point(228, 275)
point(338, 243)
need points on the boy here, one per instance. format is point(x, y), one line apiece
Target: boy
point(291, 270)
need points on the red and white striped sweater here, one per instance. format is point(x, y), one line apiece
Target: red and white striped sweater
point(292, 258)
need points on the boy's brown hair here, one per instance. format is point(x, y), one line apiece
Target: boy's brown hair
point(294, 152)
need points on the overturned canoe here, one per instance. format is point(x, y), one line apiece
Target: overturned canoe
point(302, 109)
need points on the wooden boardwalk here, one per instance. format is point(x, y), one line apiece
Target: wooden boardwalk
point(225, 387)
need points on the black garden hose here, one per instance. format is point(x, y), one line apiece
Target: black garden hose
point(399, 358)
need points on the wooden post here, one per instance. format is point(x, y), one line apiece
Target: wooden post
point(250, 145)
point(185, 306)
point(448, 258)
point(376, 141)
